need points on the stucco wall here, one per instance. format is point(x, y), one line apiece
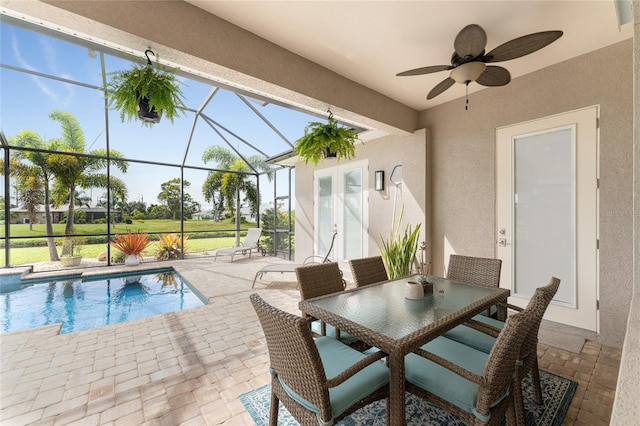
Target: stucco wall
point(382, 154)
point(463, 170)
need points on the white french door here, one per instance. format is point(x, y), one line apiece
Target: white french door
point(341, 204)
point(546, 207)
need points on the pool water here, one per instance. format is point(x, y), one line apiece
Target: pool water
point(93, 302)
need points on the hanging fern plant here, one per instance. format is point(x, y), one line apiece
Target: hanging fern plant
point(145, 92)
point(326, 140)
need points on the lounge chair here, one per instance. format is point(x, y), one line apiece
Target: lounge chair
point(250, 243)
point(291, 267)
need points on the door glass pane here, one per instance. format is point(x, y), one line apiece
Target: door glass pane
point(352, 214)
point(324, 213)
point(544, 213)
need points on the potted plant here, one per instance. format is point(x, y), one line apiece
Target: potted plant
point(131, 244)
point(399, 251)
point(72, 246)
point(145, 92)
point(326, 140)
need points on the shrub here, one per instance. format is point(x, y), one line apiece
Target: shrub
point(170, 247)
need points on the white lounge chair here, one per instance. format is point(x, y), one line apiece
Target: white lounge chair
point(291, 267)
point(250, 243)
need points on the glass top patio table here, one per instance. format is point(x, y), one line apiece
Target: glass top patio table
point(380, 315)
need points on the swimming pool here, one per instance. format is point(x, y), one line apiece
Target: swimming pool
point(80, 304)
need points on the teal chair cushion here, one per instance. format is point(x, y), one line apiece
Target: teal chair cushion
point(491, 321)
point(474, 338)
point(443, 382)
point(345, 337)
point(337, 357)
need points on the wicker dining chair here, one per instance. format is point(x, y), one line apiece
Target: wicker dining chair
point(368, 270)
point(320, 280)
point(481, 271)
point(482, 332)
point(316, 379)
point(469, 383)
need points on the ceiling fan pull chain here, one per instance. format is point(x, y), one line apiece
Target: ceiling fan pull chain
point(466, 107)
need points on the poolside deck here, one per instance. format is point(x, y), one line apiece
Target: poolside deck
point(189, 367)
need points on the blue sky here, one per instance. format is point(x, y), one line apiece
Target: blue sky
point(26, 101)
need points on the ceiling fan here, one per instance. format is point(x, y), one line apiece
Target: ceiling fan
point(468, 62)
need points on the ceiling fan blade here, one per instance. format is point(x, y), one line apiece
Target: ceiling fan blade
point(522, 46)
point(424, 70)
point(441, 87)
point(494, 76)
point(470, 41)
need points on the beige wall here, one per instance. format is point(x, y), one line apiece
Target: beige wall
point(463, 152)
point(382, 154)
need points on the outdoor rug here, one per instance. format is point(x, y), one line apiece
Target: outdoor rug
point(557, 393)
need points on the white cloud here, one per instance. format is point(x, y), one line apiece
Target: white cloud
point(51, 59)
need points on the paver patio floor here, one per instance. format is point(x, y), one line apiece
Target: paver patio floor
point(189, 367)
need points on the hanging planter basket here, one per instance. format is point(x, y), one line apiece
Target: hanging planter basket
point(145, 92)
point(146, 114)
point(329, 140)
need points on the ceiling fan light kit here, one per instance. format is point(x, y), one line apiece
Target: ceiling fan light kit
point(468, 72)
point(469, 60)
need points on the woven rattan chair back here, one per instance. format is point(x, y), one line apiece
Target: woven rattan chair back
point(319, 280)
point(292, 353)
point(368, 270)
point(475, 270)
point(499, 369)
point(540, 302)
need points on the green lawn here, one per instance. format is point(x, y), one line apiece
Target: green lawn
point(21, 256)
point(24, 255)
point(149, 226)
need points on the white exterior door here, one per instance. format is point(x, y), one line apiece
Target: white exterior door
point(341, 204)
point(546, 206)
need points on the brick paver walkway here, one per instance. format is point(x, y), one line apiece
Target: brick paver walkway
point(189, 367)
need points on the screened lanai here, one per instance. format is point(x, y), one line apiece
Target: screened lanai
point(161, 179)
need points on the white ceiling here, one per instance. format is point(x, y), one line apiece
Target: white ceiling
point(371, 41)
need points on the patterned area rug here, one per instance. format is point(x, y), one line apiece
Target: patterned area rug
point(557, 393)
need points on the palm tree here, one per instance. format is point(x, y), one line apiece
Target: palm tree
point(230, 185)
point(84, 171)
point(39, 168)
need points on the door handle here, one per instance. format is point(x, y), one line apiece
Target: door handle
point(502, 242)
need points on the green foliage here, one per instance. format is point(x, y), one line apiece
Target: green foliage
point(137, 215)
point(399, 251)
point(225, 189)
point(72, 246)
point(159, 211)
point(282, 240)
point(159, 85)
point(173, 198)
point(321, 139)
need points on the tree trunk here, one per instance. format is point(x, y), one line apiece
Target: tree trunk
point(51, 244)
point(68, 229)
point(238, 217)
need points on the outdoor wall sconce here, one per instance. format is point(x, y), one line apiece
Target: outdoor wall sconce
point(379, 180)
